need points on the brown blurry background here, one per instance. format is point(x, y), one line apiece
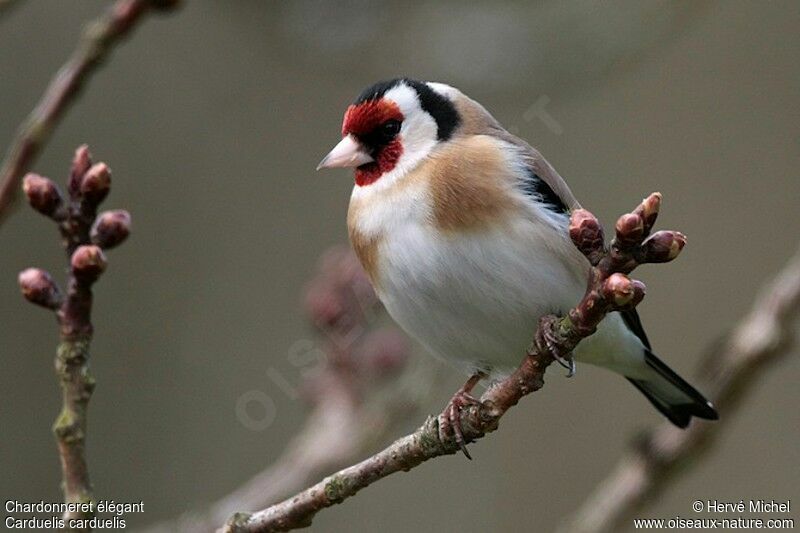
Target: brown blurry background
point(213, 120)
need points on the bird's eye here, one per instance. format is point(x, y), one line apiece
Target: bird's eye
point(390, 128)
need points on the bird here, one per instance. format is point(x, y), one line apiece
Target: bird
point(462, 229)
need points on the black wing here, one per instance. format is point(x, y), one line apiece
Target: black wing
point(631, 319)
point(536, 187)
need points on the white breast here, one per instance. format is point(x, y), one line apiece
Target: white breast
point(474, 297)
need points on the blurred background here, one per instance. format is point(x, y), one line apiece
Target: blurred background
point(213, 120)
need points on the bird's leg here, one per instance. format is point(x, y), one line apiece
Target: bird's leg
point(546, 339)
point(450, 419)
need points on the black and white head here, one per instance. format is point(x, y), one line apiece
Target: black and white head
point(391, 127)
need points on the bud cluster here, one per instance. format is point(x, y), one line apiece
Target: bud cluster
point(610, 285)
point(85, 234)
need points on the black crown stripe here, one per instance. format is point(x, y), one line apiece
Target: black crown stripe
point(439, 107)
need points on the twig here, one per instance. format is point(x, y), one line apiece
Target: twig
point(85, 235)
point(609, 289)
point(362, 390)
point(733, 368)
point(97, 40)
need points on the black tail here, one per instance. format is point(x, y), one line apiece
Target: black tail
point(672, 395)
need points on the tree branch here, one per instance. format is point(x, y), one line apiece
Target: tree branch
point(609, 289)
point(84, 235)
point(98, 39)
point(362, 388)
point(733, 367)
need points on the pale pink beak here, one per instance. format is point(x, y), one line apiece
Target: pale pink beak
point(348, 153)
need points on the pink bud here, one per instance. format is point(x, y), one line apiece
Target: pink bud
point(42, 193)
point(324, 305)
point(111, 228)
point(618, 289)
point(96, 183)
point(385, 351)
point(587, 234)
point(39, 288)
point(81, 162)
point(629, 228)
point(639, 291)
point(88, 262)
point(649, 209)
point(663, 246)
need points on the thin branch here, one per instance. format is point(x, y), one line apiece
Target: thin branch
point(85, 235)
point(98, 39)
point(362, 390)
point(733, 368)
point(609, 289)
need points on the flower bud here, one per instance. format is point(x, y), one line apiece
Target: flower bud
point(587, 234)
point(663, 246)
point(42, 193)
point(88, 262)
point(630, 228)
point(81, 163)
point(639, 291)
point(324, 304)
point(111, 228)
point(618, 289)
point(39, 288)
point(649, 210)
point(96, 183)
point(385, 351)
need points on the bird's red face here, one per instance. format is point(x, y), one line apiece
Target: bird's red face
point(375, 124)
point(391, 128)
point(371, 141)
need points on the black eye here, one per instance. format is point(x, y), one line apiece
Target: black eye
point(390, 128)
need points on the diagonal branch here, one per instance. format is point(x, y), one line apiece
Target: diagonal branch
point(98, 39)
point(733, 368)
point(365, 384)
point(609, 289)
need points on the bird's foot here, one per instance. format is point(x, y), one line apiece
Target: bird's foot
point(450, 419)
point(546, 338)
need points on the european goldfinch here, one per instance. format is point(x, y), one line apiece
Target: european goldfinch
point(462, 229)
